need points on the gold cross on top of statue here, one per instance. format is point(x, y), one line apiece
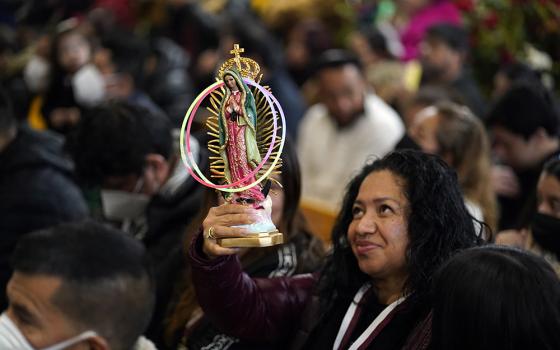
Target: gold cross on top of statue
point(246, 66)
point(236, 51)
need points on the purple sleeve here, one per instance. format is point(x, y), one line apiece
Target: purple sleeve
point(257, 310)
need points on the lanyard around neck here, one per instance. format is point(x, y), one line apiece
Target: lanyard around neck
point(351, 318)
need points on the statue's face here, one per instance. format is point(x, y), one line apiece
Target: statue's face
point(230, 82)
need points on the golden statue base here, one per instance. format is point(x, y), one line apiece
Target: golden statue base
point(266, 239)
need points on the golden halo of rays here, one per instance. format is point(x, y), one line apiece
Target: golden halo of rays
point(264, 133)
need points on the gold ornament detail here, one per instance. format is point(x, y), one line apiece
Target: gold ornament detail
point(248, 68)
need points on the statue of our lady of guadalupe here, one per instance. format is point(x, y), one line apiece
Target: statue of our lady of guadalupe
point(242, 127)
point(238, 141)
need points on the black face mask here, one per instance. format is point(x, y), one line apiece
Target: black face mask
point(546, 232)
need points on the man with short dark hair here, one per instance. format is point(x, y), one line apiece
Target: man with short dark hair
point(443, 54)
point(36, 185)
point(78, 286)
point(337, 136)
point(524, 123)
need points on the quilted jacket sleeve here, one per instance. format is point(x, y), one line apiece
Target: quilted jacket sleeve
point(256, 310)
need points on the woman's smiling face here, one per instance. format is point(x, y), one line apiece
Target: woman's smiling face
point(378, 233)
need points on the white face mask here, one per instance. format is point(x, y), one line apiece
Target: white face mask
point(122, 205)
point(35, 74)
point(12, 339)
point(89, 86)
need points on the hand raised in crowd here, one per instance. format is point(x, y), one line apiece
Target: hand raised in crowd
point(513, 238)
point(220, 223)
point(505, 181)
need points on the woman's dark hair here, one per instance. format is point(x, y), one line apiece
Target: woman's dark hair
point(496, 298)
point(290, 179)
point(439, 225)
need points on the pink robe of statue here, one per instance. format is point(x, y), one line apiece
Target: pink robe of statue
point(237, 151)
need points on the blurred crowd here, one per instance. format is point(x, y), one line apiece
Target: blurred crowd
point(93, 96)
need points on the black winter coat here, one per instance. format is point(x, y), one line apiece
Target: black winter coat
point(37, 191)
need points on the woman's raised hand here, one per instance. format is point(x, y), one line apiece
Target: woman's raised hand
point(219, 224)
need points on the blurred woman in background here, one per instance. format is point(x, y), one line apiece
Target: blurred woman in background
point(74, 81)
point(455, 134)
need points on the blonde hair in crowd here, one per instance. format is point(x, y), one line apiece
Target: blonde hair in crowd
point(464, 143)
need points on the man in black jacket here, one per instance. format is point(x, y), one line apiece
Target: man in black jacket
point(36, 185)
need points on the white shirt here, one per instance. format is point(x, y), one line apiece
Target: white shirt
point(330, 156)
point(476, 212)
